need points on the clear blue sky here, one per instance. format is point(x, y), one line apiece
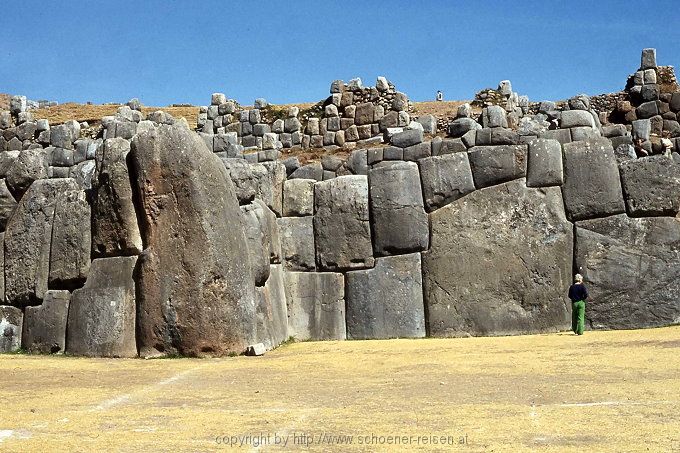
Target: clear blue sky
point(289, 51)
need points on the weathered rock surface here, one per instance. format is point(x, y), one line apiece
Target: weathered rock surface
point(71, 240)
point(272, 315)
point(400, 223)
point(497, 164)
point(27, 242)
point(11, 321)
point(592, 187)
point(544, 167)
point(196, 295)
point(7, 205)
point(631, 270)
point(45, 325)
point(499, 263)
point(651, 186)
point(258, 243)
point(445, 178)
point(386, 301)
point(31, 165)
point(297, 243)
point(101, 315)
point(316, 305)
point(298, 197)
point(341, 224)
point(114, 228)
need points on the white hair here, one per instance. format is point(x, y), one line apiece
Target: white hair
point(578, 278)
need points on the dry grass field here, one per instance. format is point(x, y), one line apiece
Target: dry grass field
point(604, 391)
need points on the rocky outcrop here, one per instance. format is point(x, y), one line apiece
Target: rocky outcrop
point(196, 293)
point(631, 271)
point(469, 290)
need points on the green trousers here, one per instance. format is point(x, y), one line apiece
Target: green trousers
point(578, 316)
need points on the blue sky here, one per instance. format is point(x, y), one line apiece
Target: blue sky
point(289, 51)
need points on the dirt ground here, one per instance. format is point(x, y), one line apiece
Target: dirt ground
point(604, 391)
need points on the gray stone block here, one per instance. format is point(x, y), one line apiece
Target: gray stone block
point(648, 59)
point(298, 197)
point(386, 301)
point(544, 166)
point(316, 305)
point(407, 138)
point(297, 243)
point(461, 126)
point(445, 179)
point(575, 118)
point(271, 311)
point(651, 186)
point(494, 116)
point(341, 224)
point(101, 316)
point(45, 325)
point(417, 152)
point(592, 187)
point(400, 223)
point(630, 267)
point(497, 164)
point(310, 171)
point(470, 291)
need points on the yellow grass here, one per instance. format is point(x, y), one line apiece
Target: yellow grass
point(604, 391)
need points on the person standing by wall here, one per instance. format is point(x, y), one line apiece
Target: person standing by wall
point(578, 295)
point(440, 96)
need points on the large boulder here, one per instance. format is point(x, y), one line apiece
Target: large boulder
point(386, 301)
point(544, 167)
point(31, 165)
point(196, 293)
point(592, 186)
point(258, 242)
point(316, 305)
point(445, 178)
point(71, 243)
point(28, 239)
point(497, 164)
point(114, 228)
point(298, 197)
point(400, 223)
point(45, 325)
point(631, 268)
point(499, 263)
point(341, 224)
point(651, 186)
point(11, 320)
point(101, 315)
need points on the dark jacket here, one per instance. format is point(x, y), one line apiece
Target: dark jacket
point(577, 292)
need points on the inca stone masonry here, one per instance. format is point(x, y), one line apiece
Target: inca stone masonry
point(148, 238)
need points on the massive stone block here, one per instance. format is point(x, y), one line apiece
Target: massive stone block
point(316, 305)
point(114, 228)
point(11, 319)
point(592, 187)
point(27, 242)
point(272, 315)
point(258, 243)
point(101, 316)
point(497, 164)
point(71, 243)
point(45, 325)
point(31, 165)
point(545, 163)
point(499, 263)
point(651, 186)
point(276, 172)
point(341, 224)
point(445, 178)
point(196, 293)
point(400, 223)
point(386, 301)
point(298, 197)
point(631, 269)
point(297, 243)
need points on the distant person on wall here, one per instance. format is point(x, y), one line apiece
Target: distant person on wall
point(440, 96)
point(578, 295)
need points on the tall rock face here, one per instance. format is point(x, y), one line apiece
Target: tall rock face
point(500, 263)
point(195, 290)
point(114, 230)
point(28, 239)
point(631, 269)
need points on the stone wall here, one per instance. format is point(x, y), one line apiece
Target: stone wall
point(154, 239)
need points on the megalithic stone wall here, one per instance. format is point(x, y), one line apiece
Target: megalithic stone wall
point(154, 239)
